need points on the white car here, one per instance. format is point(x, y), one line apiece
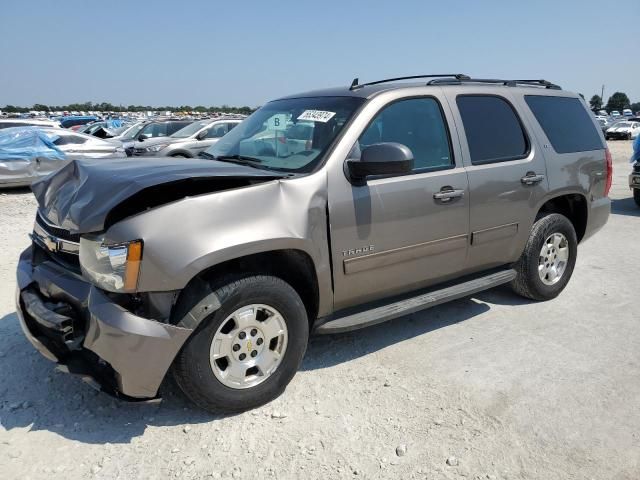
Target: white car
point(28, 122)
point(622, 131)
point(79, 145)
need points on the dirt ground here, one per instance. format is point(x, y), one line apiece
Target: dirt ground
point(490, 387)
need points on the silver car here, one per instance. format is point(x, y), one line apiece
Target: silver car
point(189, 141)
point(22, 172)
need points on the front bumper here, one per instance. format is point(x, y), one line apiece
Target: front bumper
point(634, 180)
point(617, 135)
point(78, 326)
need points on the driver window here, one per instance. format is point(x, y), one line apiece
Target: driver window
point(417, 123)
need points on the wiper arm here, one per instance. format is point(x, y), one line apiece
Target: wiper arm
point(242, 158)
point(206, 155)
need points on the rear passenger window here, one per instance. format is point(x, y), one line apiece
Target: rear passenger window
point(417, 123)
point(493, 130)
point(566, 123)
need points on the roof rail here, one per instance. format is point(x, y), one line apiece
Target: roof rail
point(508, 83)
point(456, 76)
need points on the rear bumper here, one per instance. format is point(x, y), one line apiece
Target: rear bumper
point(634, 180)
point(75, 324)
point(599, 212)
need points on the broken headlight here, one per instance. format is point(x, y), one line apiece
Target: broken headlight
point(114, 268)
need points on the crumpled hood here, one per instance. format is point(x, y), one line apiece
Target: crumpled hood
point(79, 196)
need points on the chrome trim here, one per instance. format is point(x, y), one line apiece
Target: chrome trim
point(404, 254)
point(494, 233)
point(53, 243)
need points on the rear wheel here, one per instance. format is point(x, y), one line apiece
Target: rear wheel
point(547, 263)
point(245, 353)
point(636, 196)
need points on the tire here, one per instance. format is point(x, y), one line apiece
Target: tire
point(193, 368)
point(529, 282)
point(179, 155)
point(636, 196)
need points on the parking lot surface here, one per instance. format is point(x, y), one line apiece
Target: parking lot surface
point(492, 386)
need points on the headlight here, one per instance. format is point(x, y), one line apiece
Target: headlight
point(156, 148)
point(111, 267)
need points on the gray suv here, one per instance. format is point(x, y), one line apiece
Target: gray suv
point(322, 212)
point(188, 141)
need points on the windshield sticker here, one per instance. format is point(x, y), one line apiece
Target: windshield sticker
point(316, 116)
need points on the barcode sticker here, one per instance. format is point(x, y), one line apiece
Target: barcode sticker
point(316, 116)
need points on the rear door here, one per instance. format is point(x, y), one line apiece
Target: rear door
point(397, 234)
point(507, 174)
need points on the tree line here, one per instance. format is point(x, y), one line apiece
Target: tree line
point(618, 101)
point(108, 107)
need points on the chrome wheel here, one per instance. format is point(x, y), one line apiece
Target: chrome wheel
point(553, 260)
point(248, 346)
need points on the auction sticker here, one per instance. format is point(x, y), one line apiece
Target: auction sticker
point(316, 116)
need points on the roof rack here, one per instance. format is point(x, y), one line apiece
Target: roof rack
point(508, 83)
point(456, 76)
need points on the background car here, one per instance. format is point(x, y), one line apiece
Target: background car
point(149, 129)
point(27, 154)
point(188, 141)
point(622, 131)
point(27, 122)
point(77, 120)
point(80, 145)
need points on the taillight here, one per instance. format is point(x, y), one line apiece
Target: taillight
point(607, 187)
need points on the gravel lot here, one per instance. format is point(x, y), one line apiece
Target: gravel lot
point(487, 387)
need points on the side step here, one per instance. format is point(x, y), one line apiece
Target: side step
point(415, 304)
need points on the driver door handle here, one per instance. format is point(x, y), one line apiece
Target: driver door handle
point(531, 178)
point(446, 194)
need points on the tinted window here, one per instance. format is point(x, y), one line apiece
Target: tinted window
point(173, 127)
point(69, 140)
point(566, 123)
point(493, 130)
point(417, 123)
point(216, 131)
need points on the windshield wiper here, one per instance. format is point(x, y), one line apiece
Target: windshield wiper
point(206, 155)
point(241, 158)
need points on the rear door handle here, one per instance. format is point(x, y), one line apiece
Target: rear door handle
point(531, 178)
point(446, 194)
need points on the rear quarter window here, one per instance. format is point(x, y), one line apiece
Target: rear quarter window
point(493, 129)
point(566, 123)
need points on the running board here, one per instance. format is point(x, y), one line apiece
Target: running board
point(414, 304)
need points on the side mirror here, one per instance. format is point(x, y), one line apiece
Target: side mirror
point(201, 135)
point(142, 137)
point(380, 159)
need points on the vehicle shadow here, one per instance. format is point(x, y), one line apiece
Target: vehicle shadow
point(14, 190)
point(325, 351)
point(625, 206)
point(34, 395)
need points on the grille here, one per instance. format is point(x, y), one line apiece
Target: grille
point(57, 231)
point(138, 151)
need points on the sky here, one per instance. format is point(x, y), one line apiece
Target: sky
point(241, 52)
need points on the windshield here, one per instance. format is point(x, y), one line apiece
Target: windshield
point(191, 129)
point(291, 134)
point(131, 133)
point(622, 125)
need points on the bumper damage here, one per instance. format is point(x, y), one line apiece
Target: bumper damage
point(75, 324)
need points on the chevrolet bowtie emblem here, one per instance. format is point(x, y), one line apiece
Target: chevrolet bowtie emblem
point(50, 243)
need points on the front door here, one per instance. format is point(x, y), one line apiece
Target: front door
point(398, 234)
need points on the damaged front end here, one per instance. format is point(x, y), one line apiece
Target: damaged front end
point(88, 333)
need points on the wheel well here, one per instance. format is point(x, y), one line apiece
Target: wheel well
point(573, 206)
point(293, 266)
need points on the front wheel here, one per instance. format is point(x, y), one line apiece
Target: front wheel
point(546, 265)
point(245, 353)
point(636, 196)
